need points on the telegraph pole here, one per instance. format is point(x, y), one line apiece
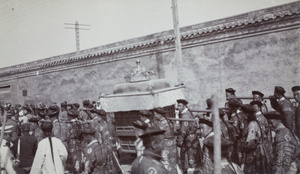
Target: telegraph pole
point(177, 42)
point(77, 32)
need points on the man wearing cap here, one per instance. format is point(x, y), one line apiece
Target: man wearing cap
point(206, 131)
point(286, 146)
point(51, 153)
point(257, 148)
point(261, 118)
point(41, 110)
point(169, 153)
point(73, 112)
point(53, 111)
point(258, 96)
point(239, 122)
point(25, 148)
point(150, 161)
point(296, 91)
point(95, 160)
point(187, 139)
point(6, 157)
point(229, 93)
point(85, 114)
point(285, 108)
point(35, 130)
point(63, 115)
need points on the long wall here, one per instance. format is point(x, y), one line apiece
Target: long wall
point(252, 51)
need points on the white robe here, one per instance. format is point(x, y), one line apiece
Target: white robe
point(6, 158)
point(43, 162)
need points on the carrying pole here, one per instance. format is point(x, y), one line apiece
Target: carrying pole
point(217, 135)
point(177, 42)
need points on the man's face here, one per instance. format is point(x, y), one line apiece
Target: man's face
point(256, 108)
point(160, 144)
point(297, 96)
point(229, 95)
point(257, 97)
point(204, 130)
point(181, 107)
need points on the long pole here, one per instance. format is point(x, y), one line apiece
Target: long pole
point(217, 135)
point(177, 42)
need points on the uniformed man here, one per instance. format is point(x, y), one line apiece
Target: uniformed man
point(286, 147)
point(257, 149)
point(258, 96)
point(239, 121)
point(85, 113)
point(206, 131)
point(35, 130)
point(41, 110)
point(169, 153)
point(229, 93)
point(6, 157)
point(187, 139)
point(73, 111)
point(63, 115)
point(150, 161)
point(53, 111)
point(261, 119)
point(296, 91)
point(94, 156)
point(25, 148)
point(285, 108)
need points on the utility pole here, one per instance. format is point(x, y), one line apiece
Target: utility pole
point(177, 42)
point(77, 32)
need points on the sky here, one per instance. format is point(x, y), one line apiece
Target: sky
point(35, 29)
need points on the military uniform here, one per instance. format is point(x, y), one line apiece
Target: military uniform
point(286, 109)
point(148, 163)
point(74, 146)
point(286, 150)
point(188, 141)
point(61, 131)
point(257, 150)
point(169, 153)
point(95, 160)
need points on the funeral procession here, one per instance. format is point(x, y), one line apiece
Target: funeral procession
point(217, 97)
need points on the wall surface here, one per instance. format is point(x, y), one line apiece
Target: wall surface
point(251, 51)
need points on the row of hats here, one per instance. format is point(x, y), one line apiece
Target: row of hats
point(278, 89)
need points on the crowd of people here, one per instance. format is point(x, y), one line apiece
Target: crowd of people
point(65, 139)
point(74, 139)
point(254, 138)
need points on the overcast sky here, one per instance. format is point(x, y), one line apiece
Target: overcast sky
point(35, 29)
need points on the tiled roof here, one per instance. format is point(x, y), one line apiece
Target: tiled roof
point(156, 39)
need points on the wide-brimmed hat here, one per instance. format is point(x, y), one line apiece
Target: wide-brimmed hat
point(152, 131)
point(183, 101)
point(46, 125)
